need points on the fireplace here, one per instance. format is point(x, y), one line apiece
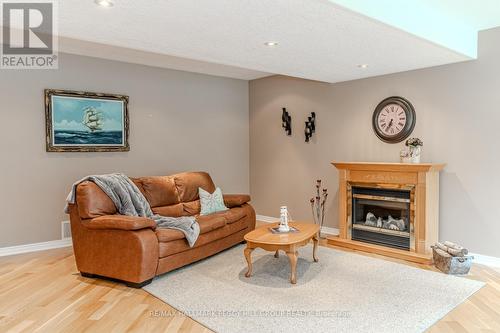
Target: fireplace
point(381, 216)
point(390, 209)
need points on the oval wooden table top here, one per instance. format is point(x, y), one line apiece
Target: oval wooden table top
point(263, 235)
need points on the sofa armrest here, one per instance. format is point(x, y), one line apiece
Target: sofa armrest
point(235, 200)
point(120, 222)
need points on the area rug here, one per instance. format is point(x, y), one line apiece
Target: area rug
point(343, 292)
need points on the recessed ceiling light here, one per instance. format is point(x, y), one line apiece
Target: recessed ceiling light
point(271, 43)
point(363, 66)
point(104, 3)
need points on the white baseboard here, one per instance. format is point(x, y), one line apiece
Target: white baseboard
point(18, 249)
point(267, 219)
point(330, 231)
point(485, 260)
point(270, 219)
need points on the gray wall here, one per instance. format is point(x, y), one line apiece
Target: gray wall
point(458, 117)
point(179, 121)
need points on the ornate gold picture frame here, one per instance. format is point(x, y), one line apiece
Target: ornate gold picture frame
point(78, 121)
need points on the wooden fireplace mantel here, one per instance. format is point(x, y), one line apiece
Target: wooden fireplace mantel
point(421, 179)
point(396, 167)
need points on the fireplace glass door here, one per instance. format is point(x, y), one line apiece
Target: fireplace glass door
point(381, 216)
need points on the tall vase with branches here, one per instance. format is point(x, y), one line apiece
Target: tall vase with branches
point(318, 205)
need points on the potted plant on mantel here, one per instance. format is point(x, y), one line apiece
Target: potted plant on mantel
point(411, 153)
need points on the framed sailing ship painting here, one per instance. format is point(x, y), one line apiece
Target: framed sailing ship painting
point(86, 122)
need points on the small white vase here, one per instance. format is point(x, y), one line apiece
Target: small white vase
point(414, 159)
point(414, 156)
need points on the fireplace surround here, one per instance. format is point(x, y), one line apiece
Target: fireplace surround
point(389, 208)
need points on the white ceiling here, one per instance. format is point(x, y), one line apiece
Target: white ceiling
point(318, 39)
point(126, 54)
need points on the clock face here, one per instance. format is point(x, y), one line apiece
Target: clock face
point(394, 119)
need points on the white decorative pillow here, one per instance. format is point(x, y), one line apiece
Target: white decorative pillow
point(211, 203)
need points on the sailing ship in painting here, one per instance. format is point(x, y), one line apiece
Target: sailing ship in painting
point(92, 119)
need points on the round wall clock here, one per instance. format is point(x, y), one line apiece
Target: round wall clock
point(394, 119)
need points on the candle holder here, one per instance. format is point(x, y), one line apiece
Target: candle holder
point(310, 126)
point(286, 121)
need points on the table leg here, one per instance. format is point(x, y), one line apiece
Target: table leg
point(293, 266)
point(248, 252)
point(315, 247)
point(277, 254)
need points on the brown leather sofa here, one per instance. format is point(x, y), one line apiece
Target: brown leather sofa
point(132, 249)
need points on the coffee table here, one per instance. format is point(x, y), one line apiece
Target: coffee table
point(263, 237)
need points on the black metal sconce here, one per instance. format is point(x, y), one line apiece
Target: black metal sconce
point(310, 126)
point(286, 122)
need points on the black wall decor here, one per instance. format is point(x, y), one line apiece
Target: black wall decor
point(310, 126)
point(286, 122)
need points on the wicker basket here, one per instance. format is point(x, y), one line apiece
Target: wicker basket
point(450, 264)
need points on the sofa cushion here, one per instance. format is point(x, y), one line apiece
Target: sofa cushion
point(191, 208)
point(206, 223)
point(92, 201)
point(172, 210)
point(181, 245)
point(168, 235)
point(210, 222)
point(232, 215)
point(159, 190)
point(187, 185)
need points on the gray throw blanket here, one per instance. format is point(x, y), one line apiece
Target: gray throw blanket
point(129, 200)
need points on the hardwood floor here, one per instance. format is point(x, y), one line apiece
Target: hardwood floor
point(43, 292)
